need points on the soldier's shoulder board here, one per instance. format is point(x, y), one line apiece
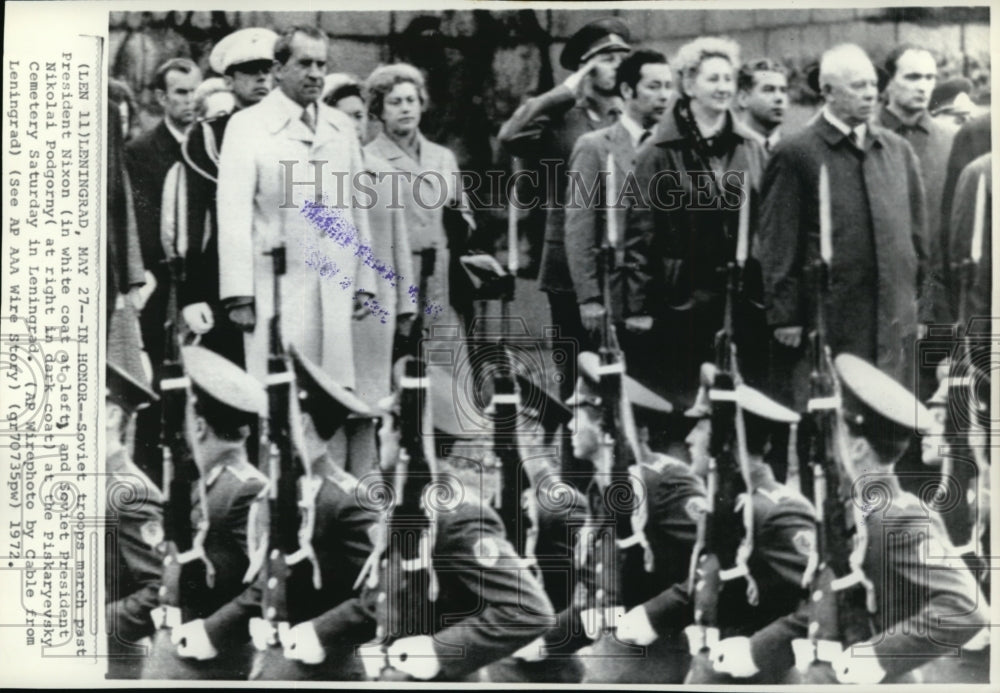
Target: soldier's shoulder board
point(246, 472)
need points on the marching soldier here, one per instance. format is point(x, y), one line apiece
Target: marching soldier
point(482, 602)
point(135, 525)
point(674, 498)
point(244, 58)
point(546, 127)
point(784, 530)
point(327, 620)
point(222, 402)
point(906, 552)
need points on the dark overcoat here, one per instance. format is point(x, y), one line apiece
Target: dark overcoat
point(879, 258)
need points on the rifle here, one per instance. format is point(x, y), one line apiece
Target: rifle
point(962, 420)
point(618, 540)
point(291, 570)
point(720, 554)
point(185, 563)
point(410, 344)
point(844, 614)
point(398, 577)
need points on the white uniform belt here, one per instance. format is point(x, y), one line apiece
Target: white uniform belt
point(413, 383)
point(722, 395)
point(174, 383)
point(733, 573)
point(611, 368)
point(506, 399)
point(280, 378)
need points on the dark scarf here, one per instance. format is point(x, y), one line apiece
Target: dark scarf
point(719, 146)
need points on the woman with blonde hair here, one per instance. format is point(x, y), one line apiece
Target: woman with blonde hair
point(686, 233)
point(436, 212)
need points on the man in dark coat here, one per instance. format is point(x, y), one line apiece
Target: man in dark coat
point(546, 127)
point(148, 158)
point(135, 529)
point(645, 81)
point(971, 141)
point(912, 73)
point(878, 244)
point(244, 58)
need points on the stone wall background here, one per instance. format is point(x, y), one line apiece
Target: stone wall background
point(481, 64)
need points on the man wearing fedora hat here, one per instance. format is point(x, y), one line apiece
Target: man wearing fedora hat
point(545, 129)
point(134, 509)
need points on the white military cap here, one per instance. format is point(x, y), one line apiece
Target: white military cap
point(243, 46)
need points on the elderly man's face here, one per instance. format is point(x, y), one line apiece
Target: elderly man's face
point(852, 92)
point(301, 77)
point(912, 85)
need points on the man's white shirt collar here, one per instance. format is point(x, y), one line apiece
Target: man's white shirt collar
point(295, 109)
point(633, 128)
point(174, 132)
point(844, 127)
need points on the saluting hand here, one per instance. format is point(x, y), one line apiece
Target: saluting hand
point(639, 324)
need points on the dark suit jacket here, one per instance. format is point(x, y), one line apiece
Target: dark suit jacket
point(971, 141)
point(587, 204)
point(976, 301)
point(879, 249)
point(148, 158)
point(545, 128)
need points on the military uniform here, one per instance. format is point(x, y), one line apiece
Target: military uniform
point(231, 487)
point(927, 604)
point(134, 518)
point(545, 129)
point(488, 604)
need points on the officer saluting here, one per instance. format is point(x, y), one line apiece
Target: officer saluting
point(879, 416)
point(222, 402)
point(135, 522)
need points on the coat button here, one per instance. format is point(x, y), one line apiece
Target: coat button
point(271, 612)
point(275, 554)
point(163, 591)
point(599, 595)
point(818, 596)
point(813, 628)
point(381, 597)
point(272, 583)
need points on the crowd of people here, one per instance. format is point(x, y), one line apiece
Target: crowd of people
point(690, 238)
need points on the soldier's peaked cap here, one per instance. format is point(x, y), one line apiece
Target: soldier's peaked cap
point(588, 388)
point(251, 45)
point(126, 390)
point(229, 389)
point(329, 403)
point(600, 36)
point(759, 404)
point(875, 401)
point(550, 408)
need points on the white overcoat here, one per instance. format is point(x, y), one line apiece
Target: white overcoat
point(267, 155)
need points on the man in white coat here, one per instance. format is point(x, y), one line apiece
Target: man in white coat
point(282, 161)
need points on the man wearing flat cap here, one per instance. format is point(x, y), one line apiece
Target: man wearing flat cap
point(244, 58)
point(546, 127)
point(667, 514)
point(135, 520)
point(190, 643)
point(783, 537)
point(927, 604)
point(313, 587)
